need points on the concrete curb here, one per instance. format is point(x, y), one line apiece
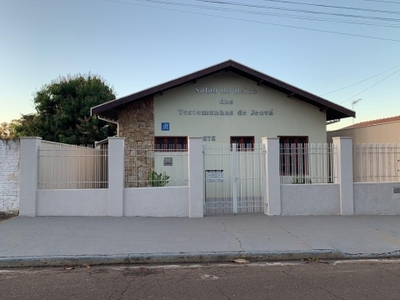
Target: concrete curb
point(182, 257)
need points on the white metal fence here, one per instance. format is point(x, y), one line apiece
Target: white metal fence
point(63, 166)
point(234, 178)
point(307, 163)
point(376, 162)
point(156, 167)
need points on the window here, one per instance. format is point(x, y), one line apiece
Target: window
point(170, 143)
point(293, 155)
point(243, 143)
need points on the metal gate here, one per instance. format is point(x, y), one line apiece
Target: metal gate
point(234, 178)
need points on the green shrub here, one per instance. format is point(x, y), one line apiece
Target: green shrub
point(301, 180)
point(156, 179)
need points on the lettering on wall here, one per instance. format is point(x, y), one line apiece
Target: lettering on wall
point(225, 101)
point(224, 90)
point(241, 112)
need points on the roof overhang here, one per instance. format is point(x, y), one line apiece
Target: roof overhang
point(109, 110)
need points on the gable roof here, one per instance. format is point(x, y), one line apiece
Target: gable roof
point(372, 123)
point(109, 110)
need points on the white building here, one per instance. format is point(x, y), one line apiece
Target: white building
point(225, 103)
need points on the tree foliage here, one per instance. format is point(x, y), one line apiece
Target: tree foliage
point(63, 111)
point(7, 130)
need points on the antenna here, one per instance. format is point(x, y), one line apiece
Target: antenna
point(352, 105)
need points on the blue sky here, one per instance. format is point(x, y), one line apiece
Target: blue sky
point(135, 44)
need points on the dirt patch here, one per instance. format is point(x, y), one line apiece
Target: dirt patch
point(5, 217)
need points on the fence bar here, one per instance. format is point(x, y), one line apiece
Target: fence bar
point(63, 166)
point(307, 163)
point(234, 178)
point(376, 162)
point(163, 166)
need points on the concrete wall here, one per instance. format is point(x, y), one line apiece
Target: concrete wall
point(310, 199)
point(278, 115)
point(156, 202)
point(9, 176)
point(149, 202)
point(115, 200)
point(379, 133)
point(83, 202)
point(343, 197)
point(376, 199)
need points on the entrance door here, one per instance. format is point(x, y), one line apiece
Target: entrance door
point(234, 179)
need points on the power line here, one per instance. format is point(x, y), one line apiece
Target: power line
point(317, 5)
point(252, 21)
point(297, 16)
point(383, 1)
point(371, 86)
point(359, 82)
point(297, 10)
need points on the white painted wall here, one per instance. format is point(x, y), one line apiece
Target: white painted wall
point(145, 202)
point(310, 199)
point(290, 116)
point(156, 202)
point(82, 202)
point(376, 199)
point(9, 176)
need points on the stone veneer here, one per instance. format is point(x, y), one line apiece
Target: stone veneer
point(136, 125)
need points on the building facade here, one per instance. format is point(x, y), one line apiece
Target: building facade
point(225, 103)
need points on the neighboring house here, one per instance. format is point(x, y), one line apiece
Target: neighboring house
point(385, 130)
point(225, 103)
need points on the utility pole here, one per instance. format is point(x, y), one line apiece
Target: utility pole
point(352, 105)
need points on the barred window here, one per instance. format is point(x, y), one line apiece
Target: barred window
point(243, 143)
point(293, 155)
point(170, 143)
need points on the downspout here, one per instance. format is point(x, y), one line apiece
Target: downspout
point(109, 121)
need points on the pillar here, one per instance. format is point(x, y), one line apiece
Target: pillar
point(116, 176)
point(29, 175)
point(196, 177)
point(272, 181)
point(344, 173)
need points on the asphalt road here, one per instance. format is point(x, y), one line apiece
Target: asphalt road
point(313, 280)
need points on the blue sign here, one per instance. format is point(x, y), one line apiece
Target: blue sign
point(165, 126)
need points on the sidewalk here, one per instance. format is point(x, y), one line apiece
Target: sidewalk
point(46, 241)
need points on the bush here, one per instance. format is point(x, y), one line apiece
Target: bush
point(301, 180)
point(156, 179)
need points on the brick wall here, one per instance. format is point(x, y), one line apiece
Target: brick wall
point(9, 176)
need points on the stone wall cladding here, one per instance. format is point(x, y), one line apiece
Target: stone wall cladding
point(136, 125)
point(9, 176)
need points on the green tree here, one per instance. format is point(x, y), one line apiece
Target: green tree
point(7, 130)
point(63, 111)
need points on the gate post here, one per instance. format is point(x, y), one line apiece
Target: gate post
point(344, 173)
point(116, 180)
point(29, 175)
point(196, 177)
point(272, 180)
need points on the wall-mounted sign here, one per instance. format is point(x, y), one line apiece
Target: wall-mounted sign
point(165, 126)
point(224, 90)
point(251, 113)
point(215, 175)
